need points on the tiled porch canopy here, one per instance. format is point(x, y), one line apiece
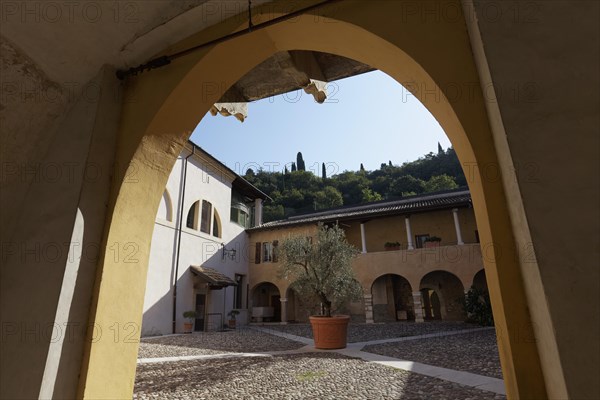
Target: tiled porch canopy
point(214, 278)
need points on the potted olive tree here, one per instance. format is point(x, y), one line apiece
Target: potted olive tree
point(189, 316)
point(322, 272)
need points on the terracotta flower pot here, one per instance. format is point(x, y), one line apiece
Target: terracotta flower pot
point(187, 327)
point(330, 332)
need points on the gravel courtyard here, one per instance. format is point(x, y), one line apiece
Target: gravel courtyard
point(301, 374)
point(475, 352)
point(208, 343)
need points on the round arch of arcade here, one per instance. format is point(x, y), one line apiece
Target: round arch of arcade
point(434, 295)
point(171, 101)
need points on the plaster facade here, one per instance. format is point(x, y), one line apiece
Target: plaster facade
point(206, 180)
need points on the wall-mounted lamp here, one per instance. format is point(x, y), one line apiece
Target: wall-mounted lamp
point(227, 253)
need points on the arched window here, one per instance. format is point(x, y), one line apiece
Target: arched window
point(165, 209)
point(192, 217)
point(216, 230)
point(206, 216)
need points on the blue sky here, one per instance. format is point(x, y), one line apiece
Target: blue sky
point(369, 119)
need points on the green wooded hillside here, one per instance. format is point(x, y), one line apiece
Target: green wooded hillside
point(299, 191)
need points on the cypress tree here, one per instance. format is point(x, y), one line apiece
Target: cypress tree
point(440, 150)
point(300, 162)
point(362, 167)
point(293, 166)
point(323, 171)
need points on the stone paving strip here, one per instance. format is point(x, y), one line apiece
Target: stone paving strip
point(361, 332)
point(476, 352)
point(321, 375)
point(487, 383)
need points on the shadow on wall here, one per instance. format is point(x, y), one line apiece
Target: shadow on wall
point(157, 319)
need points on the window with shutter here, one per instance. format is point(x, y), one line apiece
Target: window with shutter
point(267, 252)
point(275, 251)
point(257, 251)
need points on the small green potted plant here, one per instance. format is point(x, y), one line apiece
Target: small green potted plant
point(232, 316)
point(189, 316)
point(433, 241)
point(391, 246)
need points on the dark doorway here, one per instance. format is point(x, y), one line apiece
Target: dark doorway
point(200, 311)
point(276, 304)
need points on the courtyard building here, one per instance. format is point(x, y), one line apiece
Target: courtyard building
point(197, 258)
point(212, 254)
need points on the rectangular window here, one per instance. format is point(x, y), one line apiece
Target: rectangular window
point(240, 217)
point(243, 219)
point(257, 251)
point(420, 240)
point(267, 252)
point(275, 251)
point(206, 214)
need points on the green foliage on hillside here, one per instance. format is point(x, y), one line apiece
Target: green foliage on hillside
point(298, 191)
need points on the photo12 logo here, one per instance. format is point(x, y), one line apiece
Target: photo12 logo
point(69, 12)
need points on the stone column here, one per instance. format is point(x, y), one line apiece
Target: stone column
point(363, 238)
point(409, 240)
point(283, 301)
point(417, 301)
point(459, 239)
point(258, 212)
point(369, 308)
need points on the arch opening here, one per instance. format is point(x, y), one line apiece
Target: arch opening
point(266, 303)
point(158, 126)
point(165, 210)
point(392, 299)
point(442, 293)
point(480, 281)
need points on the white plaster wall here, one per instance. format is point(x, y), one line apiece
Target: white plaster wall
point(203, 182)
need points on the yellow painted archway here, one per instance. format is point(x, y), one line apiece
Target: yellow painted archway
point(432, 58)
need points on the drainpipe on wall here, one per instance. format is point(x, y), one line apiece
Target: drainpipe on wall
point(181, 210)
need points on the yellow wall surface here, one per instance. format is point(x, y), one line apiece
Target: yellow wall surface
point(463, 261)
point(267, 271)
point(439, 223)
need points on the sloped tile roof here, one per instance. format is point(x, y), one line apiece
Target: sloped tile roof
point(212, 276)
point(407, 205)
